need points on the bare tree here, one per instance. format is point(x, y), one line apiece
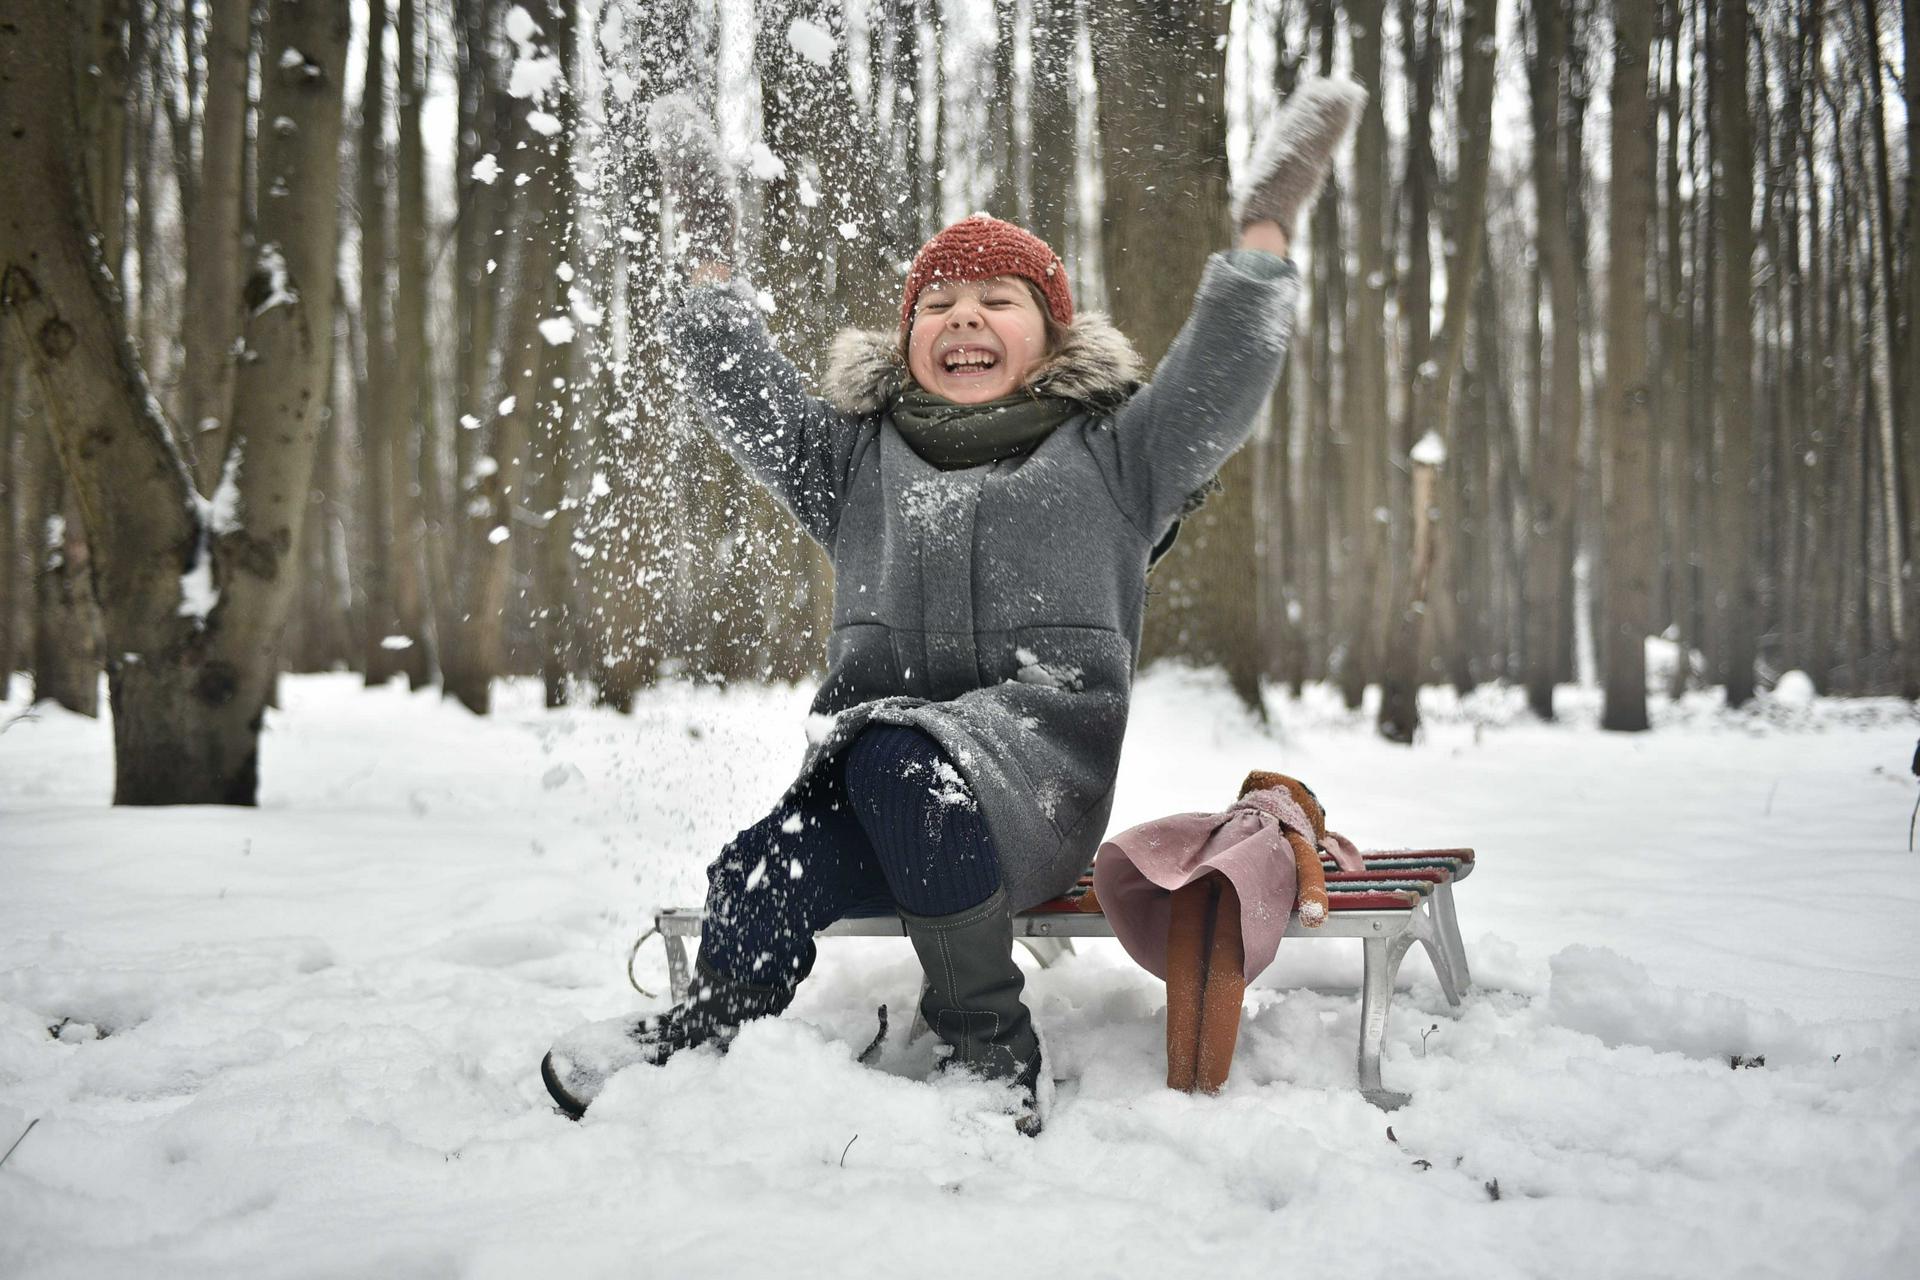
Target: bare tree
point(1628, 495)
point(530, 360)
point(192, 654)
point(1556, 435)
point(1734, 586)
point(1433, 404)
point(1051, 123)
point(1365, 415)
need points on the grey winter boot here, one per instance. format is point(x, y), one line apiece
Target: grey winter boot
point(581, 1062)
point(973, 1001)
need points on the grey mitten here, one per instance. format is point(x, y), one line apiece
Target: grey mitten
point(697, 175)
point(1294, 154)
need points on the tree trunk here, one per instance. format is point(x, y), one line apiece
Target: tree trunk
point(1003, 201)
point(1733, 146)
point(1553, 471)
point(1161, 69)
point(1676, 372)
point(380, 659)
point(1364, 405)
point(211, 312)
point(1399, 715)
point(1628, 496)
point(633, 522)
point(1911, 320)
point(475, 647)
point(410, 422)
point(1052, 124)
point(192, 655)
point(66, 620)
point(10, 509)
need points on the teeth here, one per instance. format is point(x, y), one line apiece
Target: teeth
point(970, 359)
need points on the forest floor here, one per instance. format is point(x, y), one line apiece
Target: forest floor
point(303, 1040)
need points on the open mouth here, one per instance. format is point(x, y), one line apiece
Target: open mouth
point(969, 361)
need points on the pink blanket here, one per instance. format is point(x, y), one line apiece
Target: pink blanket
point(1137, 871)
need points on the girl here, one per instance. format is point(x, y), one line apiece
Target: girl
point(992, 481)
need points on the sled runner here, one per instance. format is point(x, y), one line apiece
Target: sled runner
point(1404, 896)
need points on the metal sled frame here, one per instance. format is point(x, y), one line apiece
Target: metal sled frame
point(1386, 935)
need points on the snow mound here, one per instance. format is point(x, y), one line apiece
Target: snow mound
point(1795, 689)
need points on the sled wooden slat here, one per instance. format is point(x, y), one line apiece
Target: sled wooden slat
point(1404, 896)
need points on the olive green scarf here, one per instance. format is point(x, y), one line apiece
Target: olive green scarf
point(952, 436)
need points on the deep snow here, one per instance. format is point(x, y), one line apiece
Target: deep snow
point(319, 1022)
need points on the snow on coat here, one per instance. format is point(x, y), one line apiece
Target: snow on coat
point(997, 608)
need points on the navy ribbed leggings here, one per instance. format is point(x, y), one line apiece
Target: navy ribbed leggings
point(888, 822)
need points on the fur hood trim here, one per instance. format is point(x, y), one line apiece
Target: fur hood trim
point(1095, 367)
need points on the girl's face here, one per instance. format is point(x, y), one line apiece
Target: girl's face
point(975, 341)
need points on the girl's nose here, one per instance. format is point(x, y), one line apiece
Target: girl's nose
point(963, 315)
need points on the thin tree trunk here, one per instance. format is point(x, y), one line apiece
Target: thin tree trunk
point(1364, 403)
point(1735, 589)
point(410, 422)
point(1675, 373)
point(1553, 470)
point(10, 510)
point(528, 366)
point(1053, 158)
point(1399, 715)
point(1327, 304)
point(380, 658)
point(1001, 145)
point(1628, 423)
point(211, 312)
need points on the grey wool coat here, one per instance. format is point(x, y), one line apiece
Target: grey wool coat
point(997, 608)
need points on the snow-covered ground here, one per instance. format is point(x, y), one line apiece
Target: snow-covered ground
point(302, 1040)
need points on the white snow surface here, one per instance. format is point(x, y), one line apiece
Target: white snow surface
point(303, 1039)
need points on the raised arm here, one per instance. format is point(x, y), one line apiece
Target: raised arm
point(1208, 391)
point(753, 401)
point(1205, 396)
point(744, 391)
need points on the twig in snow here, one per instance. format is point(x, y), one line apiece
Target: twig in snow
point(1493, 1188)
point(1423, 1038)
point(17, 1141)
point(843, 1151)
point(879, 1038)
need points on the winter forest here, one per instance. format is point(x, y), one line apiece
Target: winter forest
point(1643, 276)
point(354, 507)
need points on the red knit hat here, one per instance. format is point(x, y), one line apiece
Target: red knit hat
point(982, 247)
